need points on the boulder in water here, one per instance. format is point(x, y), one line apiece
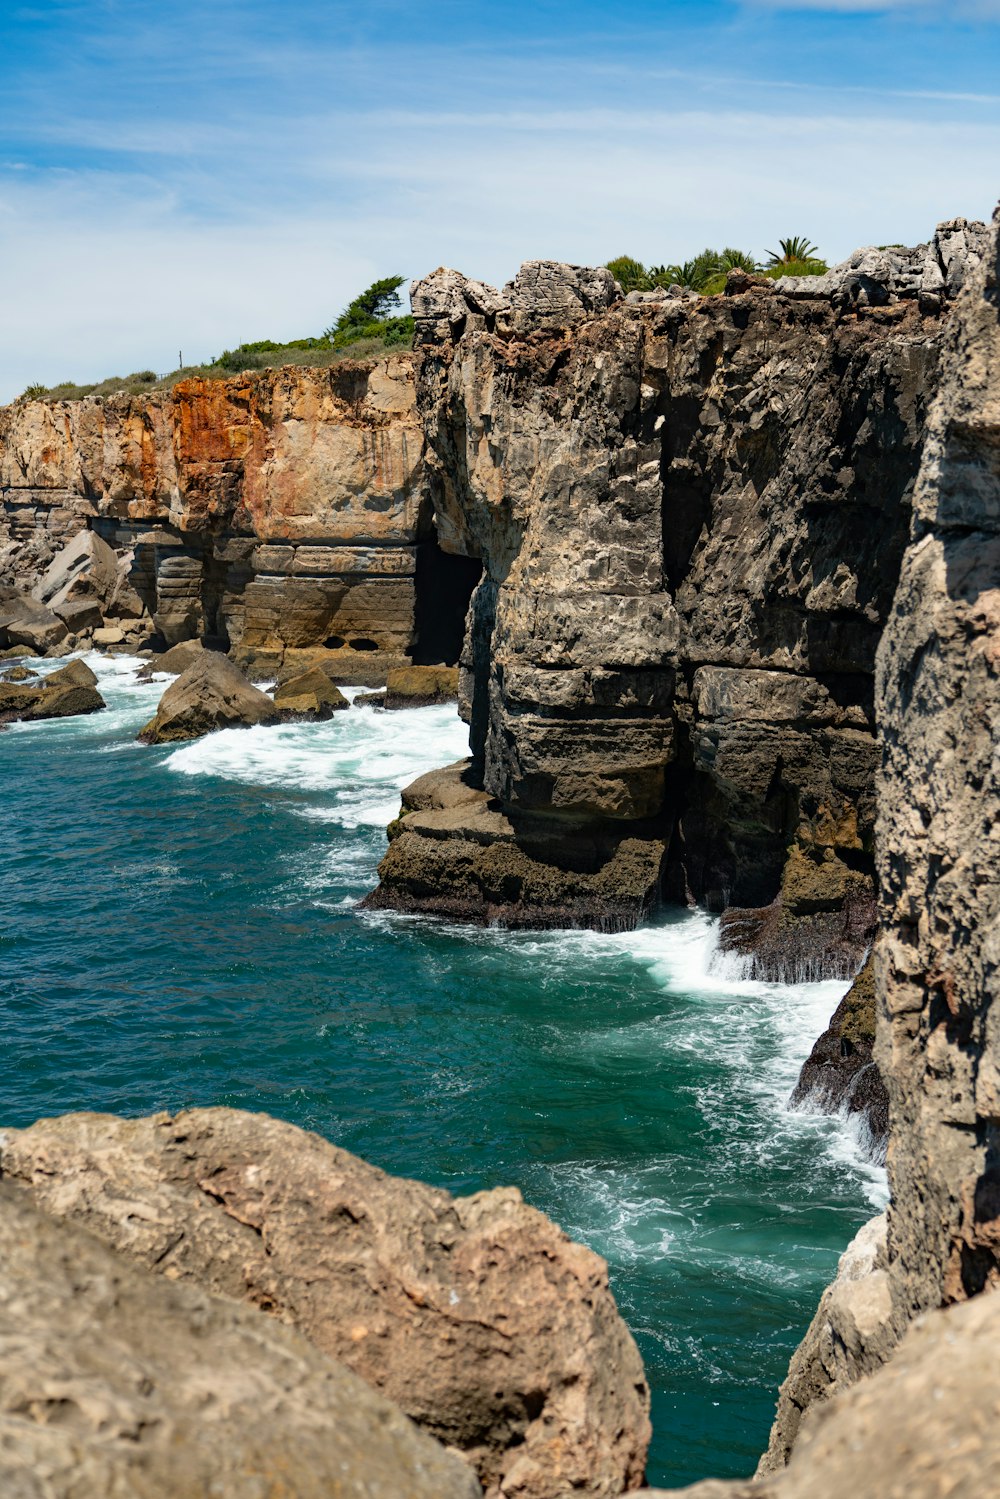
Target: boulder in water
point(421, 686)
point(477, 1315)
point(66, 693)
point(174, 661)
point(309, 695)
point(210, 694)
point(116, 1382)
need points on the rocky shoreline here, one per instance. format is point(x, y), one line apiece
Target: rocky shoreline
point(698, 522)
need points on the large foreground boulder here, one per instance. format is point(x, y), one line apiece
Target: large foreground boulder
point(116, 1384)
point(209, 694)
point(477, 1315)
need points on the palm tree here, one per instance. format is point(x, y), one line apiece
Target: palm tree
point(731, 260)
point(796, 248)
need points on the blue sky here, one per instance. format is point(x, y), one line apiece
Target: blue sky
point(189, 175)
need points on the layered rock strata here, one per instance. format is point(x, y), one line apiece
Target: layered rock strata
point(476, 1315)
point(691, 513)
point(276, 510)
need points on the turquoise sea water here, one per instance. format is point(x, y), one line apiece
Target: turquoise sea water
point(179, 926)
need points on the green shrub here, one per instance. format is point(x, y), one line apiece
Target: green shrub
point(796, 268)
point(34, 392)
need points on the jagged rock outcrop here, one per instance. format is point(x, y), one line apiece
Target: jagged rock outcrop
point(922, 1427)
point(115, 1382)
point(852, 1334)
point(691, 514)
point(934, 969)
point(477, 1315)
point(212, 693)
point(939, 814)
point(280, 509)
point(840, 1074)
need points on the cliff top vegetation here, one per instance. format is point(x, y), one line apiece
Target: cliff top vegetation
point(367, 327)
point(706, 272)
point(371, 324)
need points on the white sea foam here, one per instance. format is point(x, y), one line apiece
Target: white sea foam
point(363, 758)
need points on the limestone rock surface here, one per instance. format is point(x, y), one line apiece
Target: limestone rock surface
point(65, 693)
point(691, 514)
point(938, 1043)
point(25, 622)
point(851, 1335)
point(120, 1384)
point(476, 1315)
point(311, 694)
point(453, 852)
point(421, 686)
point(209, 694)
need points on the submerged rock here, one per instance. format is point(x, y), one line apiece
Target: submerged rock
point(116, 1382)
point(477, 1315)
point(209, 694)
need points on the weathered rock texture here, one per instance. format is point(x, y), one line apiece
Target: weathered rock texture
point(209, 694)
point(938, 1042)
point(119, 1384)
point(923, 1427)
point(476, 1315)
point(691, 513)
point(851, 1335)
point(935, 966)
point(65, 693)
point(274, 510)
point(840, 1073)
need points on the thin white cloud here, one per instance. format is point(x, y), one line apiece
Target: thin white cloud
point(108, 273)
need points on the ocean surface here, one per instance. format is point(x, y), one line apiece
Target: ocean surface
point(179, 926)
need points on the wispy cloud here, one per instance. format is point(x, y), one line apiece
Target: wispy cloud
point(192, 176)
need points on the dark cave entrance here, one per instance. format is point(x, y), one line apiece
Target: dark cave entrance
point(444, 585)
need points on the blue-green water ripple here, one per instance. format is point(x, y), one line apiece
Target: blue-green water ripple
point(179, 926)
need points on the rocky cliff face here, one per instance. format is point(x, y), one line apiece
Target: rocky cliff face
point(691, 513)
point(938, 836)
point(272, 511)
